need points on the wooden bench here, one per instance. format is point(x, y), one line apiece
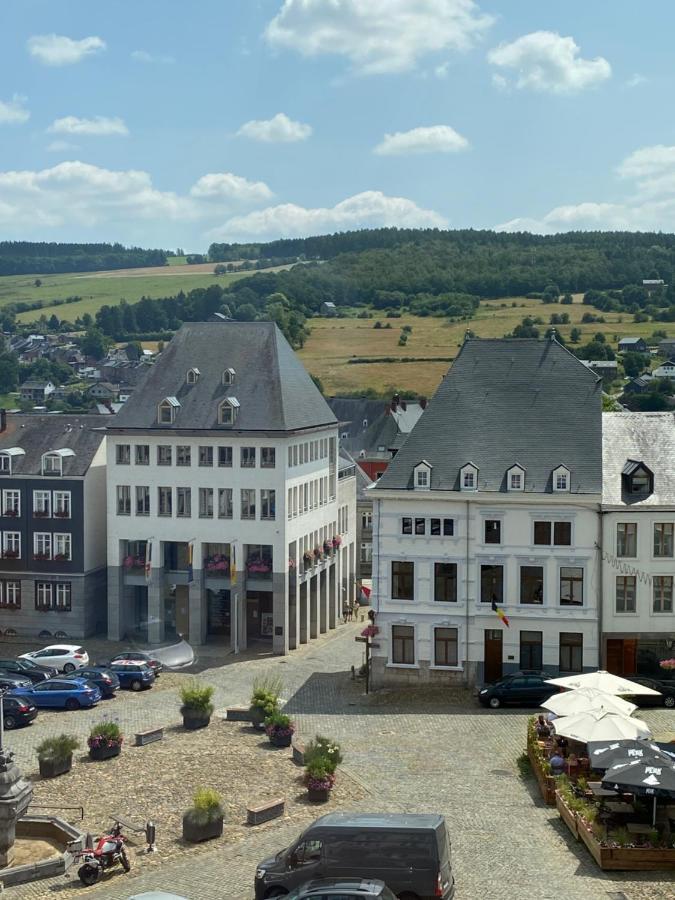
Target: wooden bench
point(256, 815)
point(148, 737)
point(298, 753)
point(238, 714)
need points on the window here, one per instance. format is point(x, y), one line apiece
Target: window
point(166, 411)
point(10, 595)
point(571, 651)
point(445, 646)
point(142, 455)
point(142, 500)
point(228, 376)
point(247, 503)
point(63, 597)
point(227, 411)
point(62, 504)
point(11, 503)
point(225, 503)
point(420, 526)
point(268, 457)
point(422, 480)
point(164, 501)
point(123, 500)
point(403, 645)
point(445, 582)
point(468, 480)
point(663, 593)
point(225, 457)
point(366, 554)
point(267, 504)
point(183, 502)
point(193, 376)
point(516, 479)
point(11, 545)
point(663, 539)
point(625, 593)
point(206, 456)
point(42, 545)
point(561, 479)
point(51, 464)
point(406, 525)
point(43, 595)
point(530, 649)
point(123, 454)
point(206, 503)
point(446, 527)
point(532, 585)
point(295, 454)
point(491, 583)
point(571, 586)
point(42, 504)
point(6, 463)
point(560, 532)
point(403, 580)
point(164, 455)
point(626, 539)
point(493, 531)
point(248, 457)
point(366, 519)
point(63, 547)
point(183, 456)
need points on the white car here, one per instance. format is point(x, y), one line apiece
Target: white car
point(64, 657)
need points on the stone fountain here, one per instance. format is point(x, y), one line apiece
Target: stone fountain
point(16, 793)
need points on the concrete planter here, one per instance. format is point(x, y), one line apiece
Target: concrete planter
point(105, 752)
point(280, 740)
point(194, 719)
point(257, 715)
point(195, 832)
point(318, 795)
point(51, 768)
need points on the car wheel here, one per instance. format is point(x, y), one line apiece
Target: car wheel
point(72, 703)
point(10, 722)
point(136, 685)
point(69, 667)
point(495, 702)
point(669, 701)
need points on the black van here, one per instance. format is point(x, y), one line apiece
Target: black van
point(410, 853)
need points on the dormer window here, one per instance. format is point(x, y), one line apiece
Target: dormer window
point(229, 376)
point(422, 476)
point(8, 458)
point(561, 479)
point(227, 411)
point(638, 479)
point(468, 478)
point(192, 376)
point(52, 462)
point(166, 411)
point(515, 478)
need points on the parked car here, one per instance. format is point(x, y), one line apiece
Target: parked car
point(133, 675)
point(140, 656)
point(343, 889)
point(63, 657)
point(105, 679)
point(17, 710)
point(526, 688)
point(62, 693)
point(9, 682)
point(665, 688)
point(409, 853)
point(28, 669)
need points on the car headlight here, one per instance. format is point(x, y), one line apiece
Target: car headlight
point(484, 691)
point(259, 873)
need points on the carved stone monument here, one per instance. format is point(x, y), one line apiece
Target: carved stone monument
point(16, 793)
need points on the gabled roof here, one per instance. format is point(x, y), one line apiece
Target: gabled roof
point(631, 340)
point(35, 385)
point(502, 401)
point(38, 435)
point(633, 438)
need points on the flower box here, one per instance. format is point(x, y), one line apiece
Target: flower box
point(12, 513)
point(104, 750)
point(61, 557)
point(318, 795)
point(40, 514)
point(258, 567)
point(62, 514)
point(545, 781)
point(568, 815)
point(51, 767)
point(195, 831)
point(194, 719)
point(41, 556)
point(10, 554)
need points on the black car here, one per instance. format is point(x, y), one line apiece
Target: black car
point(10, 682)
point(133, 675)
point(105, 679)
point(342, 889)
point(666, 690)
point(140, 656)
point(17, 710)
point(526, 688)
point(26, 668)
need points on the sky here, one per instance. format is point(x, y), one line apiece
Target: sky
point(174, 125)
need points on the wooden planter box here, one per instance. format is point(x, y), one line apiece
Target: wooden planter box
point(50, 768)
point(195, 832)
point(320, 795)
point(568, 816)
point(100, 753)
point(546, 782)
point(194, 719)
point(280, 740)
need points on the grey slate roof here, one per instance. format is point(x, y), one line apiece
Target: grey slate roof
point(505, 402)
point(386, 427)
point(647, 437)
point(40, 434)
point(272, 386)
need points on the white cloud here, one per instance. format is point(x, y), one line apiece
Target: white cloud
point(61, 147)
point(229, 187)
point(441, 71)
point(59, 50)
point(377, 36)
point(433, 139)
point(370, 209)
point(636, 80)
point(145, 57)
point(546, 61)
point(13, 112)
point(99, 126)
point(279, 129)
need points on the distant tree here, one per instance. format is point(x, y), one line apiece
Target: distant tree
point(9, 369)
point(651, 402)
point(567, 300)
point(245, 313)
point(53, 323)
point(38, 282)
point(575, 335)
point(87, 320)
point(551, 293)
point(666, 386)
point(378, 324)
point(317, 381)
point(594, 350)
point(220, 269)
point(634, 364)
point(559, 338)
point(94, 343)
point(609, 404)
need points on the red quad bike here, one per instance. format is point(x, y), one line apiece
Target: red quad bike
point(107, 852)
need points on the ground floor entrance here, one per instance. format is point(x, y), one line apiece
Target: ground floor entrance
point(219, 616)
point(259, 615)
point(493, 655)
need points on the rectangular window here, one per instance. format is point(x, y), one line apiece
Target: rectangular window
point(224, 503)
point(11, 545)
point(268, 508)
point(571, 651)
point(493, 531)
point(62, 504)
point(123, 500)
point(403, 580)
point(403, 645)
point(206, 456)
point(11, 503)
point(142, 455)
point(445, 582)
point(164, 497)
point(295, 455)
point(663, 539)
point(561, 481)
point(625, 593)
point(422, 478)
point(184, 502)
point(420, 526)
point(10, 595)
point(445, 647)
point(205, 503)
point(42, 504)
point(63, 599)
point(247, 503)
point(366, 519)
point(183, 455)
point(445, 527)
point(366, 555)
point(142, 500)
point(52, 464)
point(571, 586)
point(267, 457)
point(663, 593)
point(532, 585)
point(491, 584)
point(626, 539)
point(225, 457)
point(42, 545)
point(530, 649)
point(406, 525)
point(562, 534)
point(469, 481)
point(164, 455)
point(123, 454)
point(248, 457)
point(43, 595)
point(63, 547)
point(542, 533)
point(5, 463)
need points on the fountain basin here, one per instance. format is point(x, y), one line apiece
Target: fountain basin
point(49, 837)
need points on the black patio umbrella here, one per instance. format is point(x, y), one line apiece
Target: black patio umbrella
point(652, 775)
point(605, 754)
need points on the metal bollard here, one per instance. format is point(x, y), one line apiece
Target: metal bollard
point(150, 832)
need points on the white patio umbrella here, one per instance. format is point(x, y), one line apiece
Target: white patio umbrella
point(599, 725)
point(581, 699)
point(602, 681)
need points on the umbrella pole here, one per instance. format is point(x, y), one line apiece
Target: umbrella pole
point(654, 813)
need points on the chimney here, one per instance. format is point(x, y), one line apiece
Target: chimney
point(3, 420)
point(423, 402)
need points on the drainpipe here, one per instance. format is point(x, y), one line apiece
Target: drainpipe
point(601, 590)
point(466, 599)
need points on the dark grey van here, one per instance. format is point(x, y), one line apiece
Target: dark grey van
point(410, 853)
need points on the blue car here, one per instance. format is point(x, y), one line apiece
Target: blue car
point(133, 674)
point(62, 693)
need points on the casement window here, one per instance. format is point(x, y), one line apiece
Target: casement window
point(225, 457)
point(444, 527)
point(43, 595)
point(561, 483)
point(123, 500)
point(166, 412)
point(62, 597)
point(142, 500)
point(663, 539)
point(123, 454)
point(491, 583)
point(205, 503)
point(571, 651)
point(164, 455)
point(11, 545)
point(62, 504)
point(142, 455)
point(164, 498)
point(420, 526)
point(42, 504)
point(11, 503)
point(267, 457)
point(469, 481)
point(493, 531)
point(183, 455)
point(55, 596)
point(63, 547)
point(267, 504)
point(184, 502)
point(247, 503)
point(366, 554)
point(571, 586)
point(663, 593)
point(42, 545)
point(626, 539)
point(402, 580)
point(5, 464)
point(10, 595)
point(445, 582)
point(625, 593)
point(557, 534)
point(406, 525)
point(530, 649)
point(445, 646)
point(403, 645)
point(366, 519)
point(225, 503)
point(206, 456)
point(422, 478)
point(247, 457)
point(52, 464)
point(532, 586)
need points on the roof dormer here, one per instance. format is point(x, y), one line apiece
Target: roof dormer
point(422, 476)
point(228, 409)
point(561, 479)
point(192, 376)
point(52, 461)
point(468, 477)
point(166, 410)
point(637, 479)
point(229, 376)
point(515, 478)
point(8, 457)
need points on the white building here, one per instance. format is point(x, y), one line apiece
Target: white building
point(224, 512)
point(638, 621)
point(666, 370)
point(494, 498)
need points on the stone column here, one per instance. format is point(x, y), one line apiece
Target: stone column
point(198, 612)
point(16, 793)
point(303, 615)
point(331, 595)
point(314, 605)
point(323, 601)
point(155, 611)
point(115, 603)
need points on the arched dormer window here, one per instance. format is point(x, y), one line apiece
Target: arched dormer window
point(468, 477)
point(166, 411)
point(228, 376)
point(192, 376)
point(515, 478)
point(9, 457)
point(561, 479)
point(52, 462)
point(422, 476)
point(228, 410)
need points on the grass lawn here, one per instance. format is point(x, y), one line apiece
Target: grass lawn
point(177, 260)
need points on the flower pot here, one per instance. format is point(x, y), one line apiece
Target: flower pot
point(280, 740)
point(194, 832)
point(318, 795)
point(104, 751)
point(51, 767)
point(194, 719)
point(257, 714)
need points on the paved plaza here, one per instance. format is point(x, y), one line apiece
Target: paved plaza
point(440, 753)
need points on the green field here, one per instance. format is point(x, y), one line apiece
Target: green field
point(177, 260)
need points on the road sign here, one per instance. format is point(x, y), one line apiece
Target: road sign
point(361, 640)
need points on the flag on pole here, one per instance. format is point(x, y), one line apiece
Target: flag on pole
point(190, 570)
point(500, 612)
point(148, 559)
point(233, 564)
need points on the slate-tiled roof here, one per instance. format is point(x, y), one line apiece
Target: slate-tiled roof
point(272, 386)
point(40, 434)
point(386, 427)
point(647, 437)
point(508, 401)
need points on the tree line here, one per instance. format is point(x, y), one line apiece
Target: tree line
point(29, 258)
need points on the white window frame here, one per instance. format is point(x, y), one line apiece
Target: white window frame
point(662, 612)
point(192, 376)
point(44, 595)
point(62, 592)
point(49, 466)
point(5, 464)
point(464, 473)
point(62, 542)
point(163, 407)
point(432, 652)
point(561, 472)
point(513, 473)
point(11, 500)
point(390, 660)
point(45, 539)
point(12, 593)
point(44, 499)
point(11, 540)
point(62, 500)
point(422, 477)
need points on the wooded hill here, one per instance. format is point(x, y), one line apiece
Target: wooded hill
point(28, 258)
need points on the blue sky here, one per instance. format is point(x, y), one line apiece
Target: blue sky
point(159, 124)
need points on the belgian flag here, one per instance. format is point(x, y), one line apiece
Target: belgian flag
point(500, 612)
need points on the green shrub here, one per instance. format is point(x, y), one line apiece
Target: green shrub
point(266, 692)
point(206, 806)
point(323, 751)
point(278, 720)
point(110, 731)
point(524, 765)
point(57, 748)
point(621, 836)
point(197, 697)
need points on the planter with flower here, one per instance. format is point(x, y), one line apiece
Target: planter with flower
point(204, 819)
point(55, 755)
point(11, 512)
point(370, 631)
point(668, 664)
point(327, 548)
point(196, 707)
point(10, 554)
point(322, 757)
point(105, 741)
point(62, 514)
point(307, 560)
point(264, 699)
point(291, 563)
point(217, 565)
point(318, 554)
point(279, 729)
point(61, 557)
point(131, 562)
point(337, 540)
point(41, 556)
point(259, 566)
point(40, 514)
